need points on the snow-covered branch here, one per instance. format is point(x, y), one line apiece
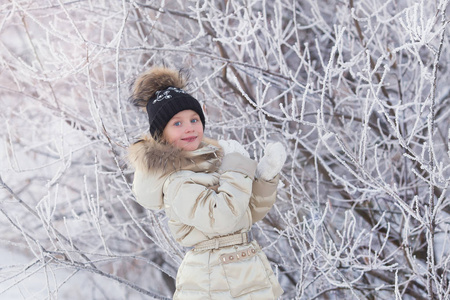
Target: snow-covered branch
point(357, 91)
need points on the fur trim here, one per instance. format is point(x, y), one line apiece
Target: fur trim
point(155, 79)
point(149, 155)
point(213, 142)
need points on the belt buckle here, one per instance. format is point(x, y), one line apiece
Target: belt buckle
point(249, 237)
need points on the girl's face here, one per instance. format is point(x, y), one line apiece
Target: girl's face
point(184, 130)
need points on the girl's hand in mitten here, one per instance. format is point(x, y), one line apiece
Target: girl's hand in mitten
point(272, 162)
point(231, 146)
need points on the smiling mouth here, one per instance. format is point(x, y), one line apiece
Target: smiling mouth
point(190, 139)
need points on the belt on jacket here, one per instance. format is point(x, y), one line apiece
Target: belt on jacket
point(224, 241)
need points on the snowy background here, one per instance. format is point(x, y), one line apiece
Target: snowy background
point(357, 91)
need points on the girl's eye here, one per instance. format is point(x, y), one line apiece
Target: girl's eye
point(177, 123)
point(194, 120)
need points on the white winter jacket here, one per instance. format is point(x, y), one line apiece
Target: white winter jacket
point(207, 196)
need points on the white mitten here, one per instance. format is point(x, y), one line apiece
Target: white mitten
point(233, 146)
point(272, 162)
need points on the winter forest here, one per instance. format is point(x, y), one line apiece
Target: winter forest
point(356, 90)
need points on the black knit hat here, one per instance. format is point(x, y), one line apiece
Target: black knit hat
point(164, 104)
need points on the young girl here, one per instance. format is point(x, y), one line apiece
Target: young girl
point(208, 190)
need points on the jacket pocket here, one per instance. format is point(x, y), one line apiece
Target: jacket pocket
point(244, 271)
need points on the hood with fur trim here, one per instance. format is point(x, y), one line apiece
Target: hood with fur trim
point(154, 162)
point(150, 156)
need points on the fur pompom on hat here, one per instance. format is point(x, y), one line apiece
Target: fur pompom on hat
point(160, 91)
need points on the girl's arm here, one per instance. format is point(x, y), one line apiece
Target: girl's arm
point(263, 197)
point(195, 201)
point(265, 187)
